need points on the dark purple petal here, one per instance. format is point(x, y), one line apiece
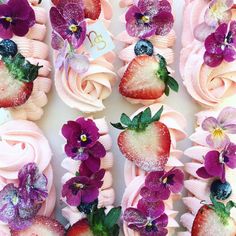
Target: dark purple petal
point(229, 155)
point(201, 172)
point(150, 195)
point(213, 60)
point(88, 195)
point(70, 130)
point(148, 7)
point(175, 180)
point(134, 217)
point(4, 10)
point(220, 33)
point(20, 28)
point(202, 31)
point(73, 12)
point(78, 39)
point(164, 5)
point(19, 9)
point(212, 45)
point(97, 150)
point(130, 15)
point(229, 53)
point(153, 180)
point(62, 3)
point(99, 175)
point(84, 170)
point(162, 221)
point(209, 124)
point(20, 224)
point(27, 209)
point(151, 209)
point(227, 116)
point(93, 164)
point(164, 22)
point(5, 33)
point(56, 18)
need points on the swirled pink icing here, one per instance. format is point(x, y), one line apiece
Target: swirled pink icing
point(33, 47)
point(162, 45)
point(106, 196)
point(86, 92)
point(207, 85)
point(197, 187)
point(134, 176)
point(22, 142)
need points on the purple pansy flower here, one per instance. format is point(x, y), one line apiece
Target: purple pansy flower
point(149, 17)
point(68, 21)
point(148, 218)
point(82, 139)
point(82, 188)
point(218, 12)
point(219, 127)
point(32, 183)
point(221, 44)
point(15, 211)
point(215, 163)
point(16, 17)
point(159, 184)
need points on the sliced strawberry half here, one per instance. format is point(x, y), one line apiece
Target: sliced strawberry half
point(81, 228)
point(12, 92)
point(212, 220)
point(92, 9)
point(42, 226)
point(147, 78)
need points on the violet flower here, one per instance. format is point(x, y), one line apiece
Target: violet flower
point(218, 12)
point(219, 127)
point(32, 183)
point(149, 17)
point(148, 219)
point(220, 45)
point(82, 188)
point(159, 184)
point(14, 210)
point(215, 163)
point(16, 17)
point(68, 21)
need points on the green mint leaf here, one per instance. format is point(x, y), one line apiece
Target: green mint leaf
point(76, 173)
point(115, 230)
point(157, 116)
point(125, 120)
point(118, 126)
point(167, 91)
point(173, 84)
point(112, 217)
point(146, 116)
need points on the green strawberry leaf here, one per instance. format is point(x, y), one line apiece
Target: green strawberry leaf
point(136, 121)
point(146, 116)
point(115, 230)
point(125, 120)
point(173, 84)
point(118, 126)
point(167, 91)
point(112, 217)
point(157, 116)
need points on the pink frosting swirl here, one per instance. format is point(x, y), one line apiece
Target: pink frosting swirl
point(23, 142)
point(106, 196)
point(134, 176)
point(36, 51)
point(199, 188)
point(207, 85)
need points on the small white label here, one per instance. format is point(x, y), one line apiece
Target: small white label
point(98, 41)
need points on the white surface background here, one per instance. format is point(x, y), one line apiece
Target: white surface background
point(57, 113)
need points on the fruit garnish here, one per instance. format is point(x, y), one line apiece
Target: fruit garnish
point(8, 48)
point(214, 219)
point(80, 228)
point(221, 191)
point(147, 78)
point(42, 225)
point(145, 140)
point(143, 46)
point(92, 9)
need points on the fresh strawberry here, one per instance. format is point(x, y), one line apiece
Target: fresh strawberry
point(214, 220)
point(42, 226)
point(146, 141)
point(81, 228)
point(12, 92)
point(55, 2)
point(92, 9)
point(147, 78)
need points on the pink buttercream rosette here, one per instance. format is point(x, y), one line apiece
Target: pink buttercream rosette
point(106, 196)
point(23, 142)
point(135, 177)
point(209, 86)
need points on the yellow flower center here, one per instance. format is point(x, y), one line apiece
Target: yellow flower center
point(9, 19)
point(83, 138)
point(164, 181)
point(146, 19)
point(73, 28)
point(79, 185)
point(217, 9)
point(218, 132)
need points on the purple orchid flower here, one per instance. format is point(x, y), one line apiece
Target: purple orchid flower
point(68, 21)
point(159, 184)
point(149, 17)
point(82, 188)
point(16, 17)
point(218, 12)
point(148, 218)
point(219, 127)
point(220, 45)
point(215, 163)
point(14, 210)
point(32, 183)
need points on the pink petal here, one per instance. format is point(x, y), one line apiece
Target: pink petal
point(135, 217)
point(212, 60)
point(227, 116)
point(79, 63)
point(217, 142)
point(209, 124)
point(202, 31)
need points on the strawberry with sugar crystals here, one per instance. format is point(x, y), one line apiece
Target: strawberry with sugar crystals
point(92, 9)
point(147, 78)
point(42, 226)
point(81, 228)
point(145, 140)
point(214, 220)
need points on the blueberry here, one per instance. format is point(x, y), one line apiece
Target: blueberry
point(143, 46)
point(221, 190)
point(8, 48)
